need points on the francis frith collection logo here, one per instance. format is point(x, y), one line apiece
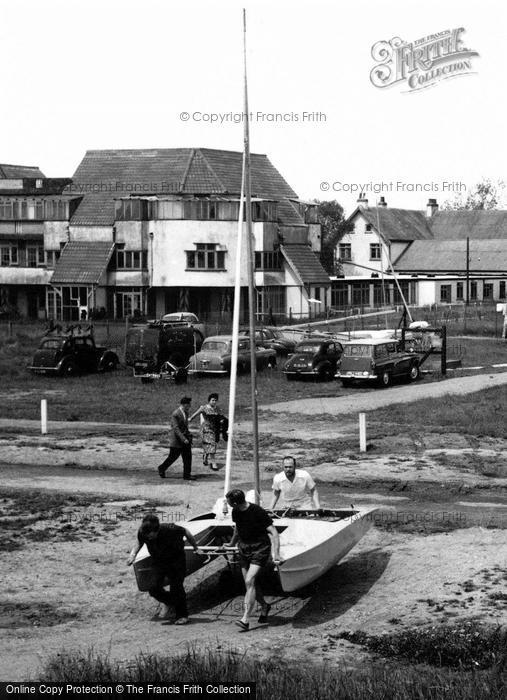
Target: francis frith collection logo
point(421, 63)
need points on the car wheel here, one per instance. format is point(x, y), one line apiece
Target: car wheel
point(346, 383)
point(385, 378)
point(290, 377)
point(415, 373)
point(146, 380)
point(69, 369)
point(272, 362)
point(111, 365)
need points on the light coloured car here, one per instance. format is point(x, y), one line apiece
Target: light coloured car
point(216, 354)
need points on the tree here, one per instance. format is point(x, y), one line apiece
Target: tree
point(334, 227)
point(483, 195)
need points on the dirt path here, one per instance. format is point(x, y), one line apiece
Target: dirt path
point(352, 403)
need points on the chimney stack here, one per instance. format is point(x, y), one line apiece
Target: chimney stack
point(382, 202)
point(431, 208)
point(362, 202)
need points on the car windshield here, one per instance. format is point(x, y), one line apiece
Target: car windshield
point(180, 317)
point(308, 347)
point(52, 343)
point(214, 346)
point(357, 351)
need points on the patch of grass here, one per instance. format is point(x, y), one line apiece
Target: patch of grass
point(479, 413)
point(465, 646)
point(276, 680)
point(39, 516)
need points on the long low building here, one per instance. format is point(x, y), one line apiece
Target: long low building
point(437, 257)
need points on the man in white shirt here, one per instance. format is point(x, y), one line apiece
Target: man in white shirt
point(295, 486)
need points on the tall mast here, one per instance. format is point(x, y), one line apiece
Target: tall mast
point(252, 301)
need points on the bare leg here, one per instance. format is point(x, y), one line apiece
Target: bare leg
point(252, 594)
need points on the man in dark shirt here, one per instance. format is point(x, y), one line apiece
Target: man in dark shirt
point(257, 537)
point(166, 548)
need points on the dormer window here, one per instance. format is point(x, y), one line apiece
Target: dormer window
point(368, 228)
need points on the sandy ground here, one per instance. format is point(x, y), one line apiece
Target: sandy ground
point(64, 593)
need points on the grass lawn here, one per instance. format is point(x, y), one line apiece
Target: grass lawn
point(118, 397)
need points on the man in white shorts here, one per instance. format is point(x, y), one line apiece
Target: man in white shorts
point(295, 486)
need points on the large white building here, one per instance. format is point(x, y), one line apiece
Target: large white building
point(152, 231)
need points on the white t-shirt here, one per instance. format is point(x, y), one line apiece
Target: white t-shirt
point(295, 494)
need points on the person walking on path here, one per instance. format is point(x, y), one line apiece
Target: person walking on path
point(258, 542)
point(165, 544)
point(180, 441)
point(210, 430)
point(295, 486)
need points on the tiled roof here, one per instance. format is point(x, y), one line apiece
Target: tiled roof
point(17, 172)
point(450, 256)
point(398, 224)
point(82, 262)
point(412, 225)
point(305, 264)
point(105, 175)
point(474, 223)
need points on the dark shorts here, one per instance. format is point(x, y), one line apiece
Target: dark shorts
point(257, 553)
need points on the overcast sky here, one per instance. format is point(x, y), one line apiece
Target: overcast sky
point(95, 74)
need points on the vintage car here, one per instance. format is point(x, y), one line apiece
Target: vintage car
point(216, 353)
point(185, 318)
point(271, 338)
point(67, 354)
point(313, 357)
point(161, 351)
point(380, 360)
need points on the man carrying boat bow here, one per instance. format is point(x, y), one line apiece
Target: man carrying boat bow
point(257, 538)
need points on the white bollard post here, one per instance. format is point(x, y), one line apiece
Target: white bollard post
point(44, 416)
point(362, 432)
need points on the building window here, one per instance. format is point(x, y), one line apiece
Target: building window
point(368, 228)
point(8, 255)
point(35, 255)
point(340, 295)
point(473, 291)
point(375, 251)
point(361, 294)
point(487, 293)
point(501, 291)
point(345, 251)
point(206, 256)
point(131, 259)
point(129, 302)
point(268, 260)
point(445, 293)
point(459, 291)
point(405, 290)
point(381, 297)
point(51, 257)
point(271, 301)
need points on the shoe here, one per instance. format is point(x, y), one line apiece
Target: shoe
point(181, 621)
point(161, 473)
point(264, 617)
point(189, 478)
point(213, 467)
point(243, 626)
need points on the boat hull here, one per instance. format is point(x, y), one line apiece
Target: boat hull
point(309, 545)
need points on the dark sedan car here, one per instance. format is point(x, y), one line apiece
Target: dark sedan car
point(272, 338)
point(316, 358)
